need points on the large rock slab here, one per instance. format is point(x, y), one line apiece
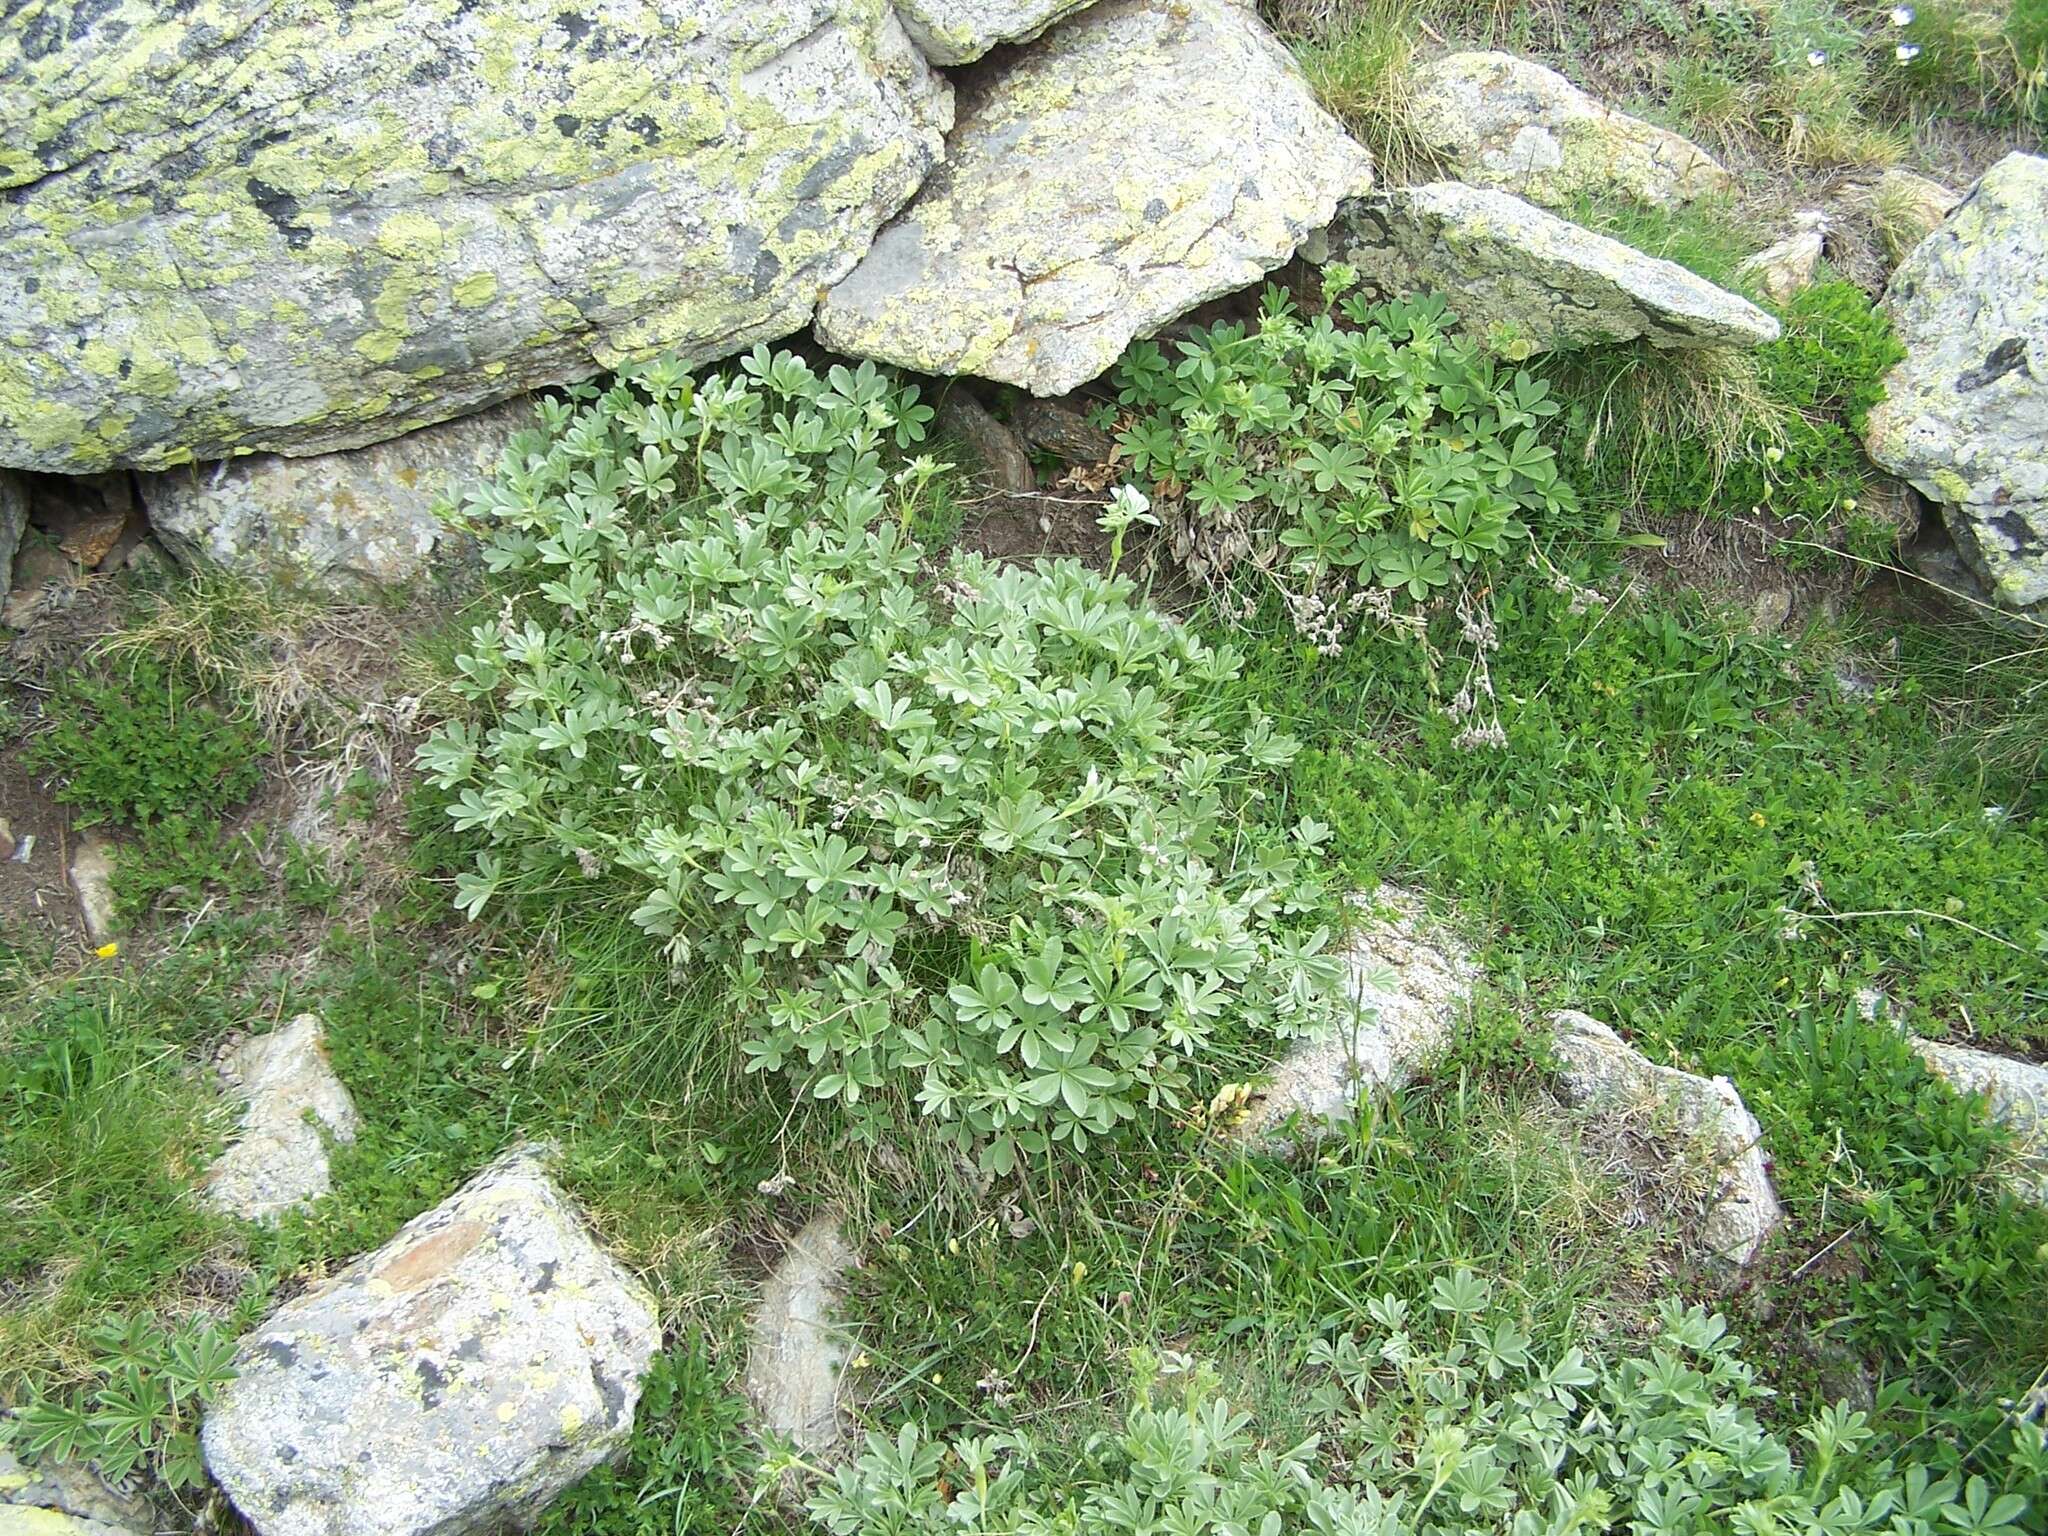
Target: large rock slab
point(1965, 416)
point(1604, 1073)
point(1503, 121)
point(2015, 1095)
point(798, 1348)
point(1410, 983)
point(959, 31)
point(291, 1103)
point(454, 1380)
point(1527, 279)
point(1140, 158)
point(344, 524)
point(297, 227)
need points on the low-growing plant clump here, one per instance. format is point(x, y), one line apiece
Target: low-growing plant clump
point(979, 831)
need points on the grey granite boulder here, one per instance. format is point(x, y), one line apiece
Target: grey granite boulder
point(346, 524)
point(798, 1348)
point(1502, 121)
point(295, 226)
point(1965, 416)
point(454, 1380)
point(1604, 1073)
point(1527, 279)
point(1140, 158)
point(2015, 1095)
point(1410, 983)
point(958, 31)
point(292, 1102)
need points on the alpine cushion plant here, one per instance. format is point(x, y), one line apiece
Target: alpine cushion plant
point(1369, 469)
point(982, 830)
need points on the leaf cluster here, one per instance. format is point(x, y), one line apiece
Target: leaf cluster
point(986, 834)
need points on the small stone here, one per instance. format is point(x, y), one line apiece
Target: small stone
point(798, 1352)
point(960, 31)
point(1526, 280)
point(13, 523)
point(6, 841)
point(1965, 415)
point(87, 516)
point(279, 1156)
point(1788, 268)
point(2015, 1095)
point(455, 1380)
point(44, 578)
point(1906, 209)
point(1605, 1073)
point(1508, 122)
point(1773, 606)
point(1410, 982)
point(1057, 428)
point(1140, 158)
point(1005, 464)
point(92, 878)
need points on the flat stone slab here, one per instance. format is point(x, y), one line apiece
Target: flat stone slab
point(1604, 1073)
point(349, 524)
point(2015, 1095)
point(67, 1498)
point(1965, 416)
point(454, 1380)
point(1516, 273)
point(292, 1101)
point(1504, 121)
point(798, 1351)
point(92, 880)
point(1411, 985)
point(1140, 158)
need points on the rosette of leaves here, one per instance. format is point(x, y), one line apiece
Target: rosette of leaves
point(980, 835)
point(1367, 456)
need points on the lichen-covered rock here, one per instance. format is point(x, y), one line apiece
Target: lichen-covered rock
point(1138, 159)
point(1965, 416)
point(1788, 267)
point(2015, 1095)
point(1410, 982)
point(92, 881)
point(1502, 121)
point(1527, 280)
point(454, 1380)
point(292, 1102)
point(302, 226)
point(799, 1347)
point(959, 31)
point(1605, 1073)
point(346, 524)
point(13, 523)
point(66, 1498)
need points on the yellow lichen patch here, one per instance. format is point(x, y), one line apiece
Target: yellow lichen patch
point(476, 290)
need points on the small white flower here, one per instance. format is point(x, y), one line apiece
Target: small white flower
point(1817, 57)
point(1902, 15)
point(1906, 53)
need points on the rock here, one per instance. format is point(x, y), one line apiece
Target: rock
point(1789, 267)
point(454, 1380)
point(1965, 417)
point(1057, 428)
point(960, 31)
point(798, 1349)
point(86, 515)
point(296, 227)
point(1139, 158)
point(1411, 983)
point(1770, 611)
point(1605, 1073)
point(1527, 279)
point(1502, 121)
point(13, 523)
point(1005, 463)
point(66, 1498)
point(278, 1159)
point(92, 877)
point(344, 524)
point(2015, 1095)
point(44, 577)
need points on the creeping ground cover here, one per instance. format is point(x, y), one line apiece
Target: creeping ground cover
point(978, 837)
